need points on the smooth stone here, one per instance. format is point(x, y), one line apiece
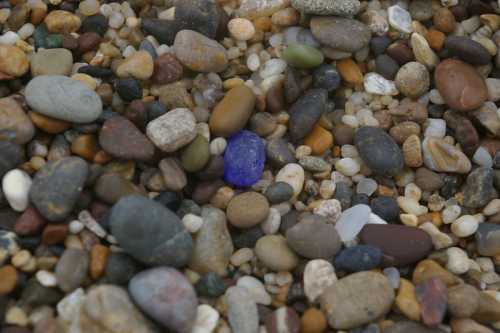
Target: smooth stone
point(400, 244)
point(378, 150)
point(71, 269)
point(51, 62)
point(167, 69)
point(165, 295)
point(278, 153)
point(13, 61)
point(479, 188)
point(326, 77)
point(139, 65)
point(326, 7)
point(314, 238)
point(428, 180)
point(34, 294)
point(120, 268)
point(199, 53)
point(460, 85)
point(358, 258)
point(57, 186)
point(427, 269)
point(244, 159)
point(413, 79)
point(352, 221)
point(279, 192)
point(343, 34)
point(30, 223)
point(15, 187)
point(11, 155)
point(463, 301)
point(173, 130)
point(468, 326)
point(433, 297)
point(357, 299)
point(256, 289)
point(163, 30)
point(294, 175)
point(302, 56)
point(284, 319)
point(411, 327)
point(204, 16)
point(488, 311)
point(488, 239)
point(399, 19)
point(386, 207)
point(232, 113)
point(305, 112)
point(62, 21)
point(111, 187)
point(13, 118)
point(63, 98)
point(263, 124)
point(467, 50)
point(242, 310)
point(196, 154)
point(206, 319)
point(128, 89)
point(122, 139)
point(440, 156)
point(161, 238)
point(210, 285)
point(247, 209)
point(422, 51)
point(386, 66)
point(274, 253)
point(212, 246)
point(108, 308)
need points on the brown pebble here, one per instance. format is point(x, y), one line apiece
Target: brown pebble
point(98, 260)
point(167, 69)
point(8, 279)
point(85, 146)
point(283, 320)
point(488, 310)
point(401, 52)
point(48, 124)
point(444, 20)
point(105, 91)
point(88, 41)
point(30, 223)
point(54, 234)
point(275, 99)
point(313, 321)
point(247, 209)
point(466, 325)
point(427, 269)
point(402, 131)
point(435, 38)
point(463, 300)
point(320, 140)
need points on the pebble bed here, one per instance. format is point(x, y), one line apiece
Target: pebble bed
point(249, 166)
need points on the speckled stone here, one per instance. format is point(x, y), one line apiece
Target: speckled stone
point(326, 7)
point(343, 34)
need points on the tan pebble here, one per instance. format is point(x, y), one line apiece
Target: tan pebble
point(13, 61)
point(247, 209)
point(313, 321)
point(423, 53)
point(139, 65)
point(406, 300)
point(428, 268)
point(412, 151)
point(443, 157)
point(61, 21)
point(8, 279)
point(467, 325)
point(491, 20)
point(350, 71)
point(98, 259)
point(16, 316)
point(241, 29)
point(86, 79)
point(232, 82)
point(21, 258)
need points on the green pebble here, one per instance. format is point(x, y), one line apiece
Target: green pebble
point(302, 56)
point(53, 41)
point(39, 35)
point(196, 155)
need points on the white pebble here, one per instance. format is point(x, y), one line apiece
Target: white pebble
point(319, 274)
point(348, 166)
point(206, 319)
point(349, 151)
point(294, 175)
point(451, 213)
point(350, 120)
point(375, 219)
point(440, 240)
point(351, 222)
point(367, 186)
point(272, 223)
point(435, 128)
point(129, 50)
point(75, 227)
point(376, 84)
point(255, 288)
point(458, 261)
point(411, 206)
point(241, 256)
point(46, 278)
point(69, 307)
point(399, 19)
point(218, 146)
point(26, 31)
point(192, 222)
point(106, 10)
point(331, 209)
point(253, 62)
point(272, 67)
point(413, 191)
point(90, 223)
point(392, 273)
point(483, 157)
point(464, 226)
point(9, 38)
point(241, 29)
point(16, 186)
point(116, 20)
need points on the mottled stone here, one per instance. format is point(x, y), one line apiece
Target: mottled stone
point(71, 269)
point(13, 118)
point(479, 188)
point(432, 296)
point(343, 34)
point(322, 7)
point(173, 130)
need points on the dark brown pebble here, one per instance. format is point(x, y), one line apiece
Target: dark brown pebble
point(275, 99)
point(167, 69)
point(88, 41)
point(401, 52)
point(54, 234)
point(30, 223)
point(468, 50)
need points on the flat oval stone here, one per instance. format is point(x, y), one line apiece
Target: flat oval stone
point(244, 159)
point(379, 150)
point(247, 209)
point(314, 238)
point(279, 153)
point(71, 269)
point(196, 154)
point(231, 114)
point(13, 118)
point(172, 130)
point(467, 50)
point(150, 232)
point(305, 112)
point(302, 56)
point(358, 258)
point(357, 299)
point(460, 85)
point(165, 295)
point(343, 34)
point(57, 186)
point(199, 53)
point(121, 138)
point(279, 192)
point(433, 298)
point(400, 244)
point(63, 98)
point(325, 7)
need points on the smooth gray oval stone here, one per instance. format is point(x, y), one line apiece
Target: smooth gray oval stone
point(63, 98)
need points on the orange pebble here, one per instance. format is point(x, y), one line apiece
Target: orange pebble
point(313, 321)
point(350, 71)
point(8, 279)
point(263, 23)
point(48, 124)
point(85, 146)
point(319, 140)
point(435, 38)
point(98, 260)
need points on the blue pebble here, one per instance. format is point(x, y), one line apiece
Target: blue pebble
point(244, 159)
point(358, 258)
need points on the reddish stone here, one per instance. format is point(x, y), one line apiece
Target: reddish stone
point(167, 69)
point(432, 294)
point(30, 223)
point(54, 234)
point(88, 41)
